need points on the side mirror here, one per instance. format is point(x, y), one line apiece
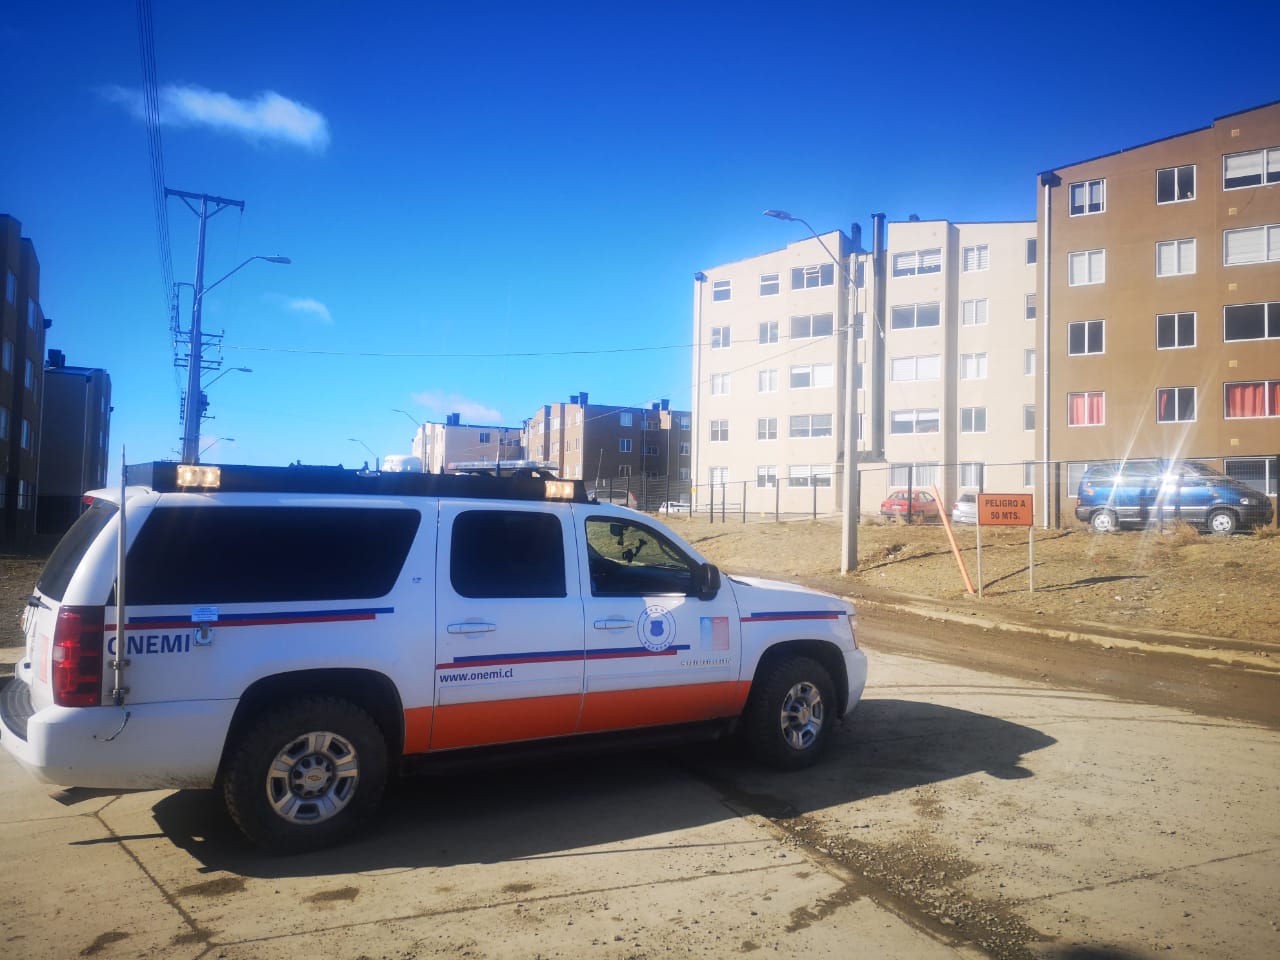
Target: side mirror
point(708, 581)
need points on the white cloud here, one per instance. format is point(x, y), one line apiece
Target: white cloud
point(266, 117)
point(313, 308)
point(439, 404)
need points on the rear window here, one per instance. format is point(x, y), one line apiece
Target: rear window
point(507, 553)
point(72, 547)
point(267, 554)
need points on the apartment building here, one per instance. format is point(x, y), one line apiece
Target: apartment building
point(1160, 293)
point(768, 373)
point(643, 451)
point(73, 443)
point(948, 355)
point(22, 344)
point(440, 447)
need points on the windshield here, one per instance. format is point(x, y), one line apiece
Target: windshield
point(72, 547)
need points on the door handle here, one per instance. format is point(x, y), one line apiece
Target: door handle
point(614, 623)
point(472, 626)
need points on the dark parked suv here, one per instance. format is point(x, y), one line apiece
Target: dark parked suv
point(1134, 494)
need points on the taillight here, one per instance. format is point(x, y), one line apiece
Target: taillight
point(77, 657)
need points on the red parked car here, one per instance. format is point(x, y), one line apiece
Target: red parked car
point(923, 506)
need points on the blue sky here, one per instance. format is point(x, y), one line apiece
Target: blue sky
point(490, 206)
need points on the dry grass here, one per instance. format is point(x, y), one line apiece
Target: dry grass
point(1266, 533)
point(1181, 534)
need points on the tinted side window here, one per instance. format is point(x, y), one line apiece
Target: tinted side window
point(507, 553)
point(72, 547)
point(628, 559)
point(267, 554)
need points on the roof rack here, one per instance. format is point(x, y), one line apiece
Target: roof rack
point(163, 476)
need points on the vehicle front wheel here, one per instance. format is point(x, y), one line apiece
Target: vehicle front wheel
point(306, 774)
point(790, 713)
point(1104, 521)
point(1222, 522)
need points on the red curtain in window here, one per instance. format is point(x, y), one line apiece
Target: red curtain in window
point(1097, 407)
point(1246, 400)
point(1075, 409)
point(1273, 388)
point(1162, 405)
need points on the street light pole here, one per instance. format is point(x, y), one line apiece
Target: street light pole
point(852, 493)
point(376, 465)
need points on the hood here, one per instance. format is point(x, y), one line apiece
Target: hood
point(757, 594)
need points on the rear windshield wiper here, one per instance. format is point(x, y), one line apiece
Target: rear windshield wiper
point(35, 601)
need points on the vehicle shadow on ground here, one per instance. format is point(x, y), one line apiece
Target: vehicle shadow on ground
point(552, 808)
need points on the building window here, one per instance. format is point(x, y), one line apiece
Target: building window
point(973, 313)
point(1031, 250)
point(10, 286)
point(685, 423)
point(7, 359)
point(1028, 416)
point(913, 474)
point(767, 428)
point(1175, 404)
point(1085, 337)
point(32, 310)
point(1175, 257)
point(1088, 196)
point(1250, 245)
point(912, 315)
point(823, 275)
point(769, 284)
point(1029, 307)
point(624, 420)
point(766, 477)
point(971, 474)
point(1251, 321)
point(24, 500)
point(913, 421)
point(684, 473)
point(1175, 184)
point(975, 258)
point(973, 419)
point(766, 381)
point(1086, 409)
point(905, 369)
point(719, 431)
point(806, 375)
point(769, 331)
point(1261, 398)
point(810, 425)
point(684, 448)
point(624, 445)
point(1257, 472)
point(916, 262)
point(484, 437)
point(1086, 266)
point(4, 424)
point(1029, 474)
point(1029, 362)
point(28, 374)
point(719, 338)
point(719, 384)
point(25, 435)
point(1174, 330)
point(624, 469)
point(809, 474)
point(722, 290)
point(1252, 169)
point(719, 475)
point(973, 366)
point(859, 325)
point(651, 450)
point(815, 325)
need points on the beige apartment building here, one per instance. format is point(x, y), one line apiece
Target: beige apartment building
point(768, 373)
point(1160, 291)
point(948, 354)
point(441, 447)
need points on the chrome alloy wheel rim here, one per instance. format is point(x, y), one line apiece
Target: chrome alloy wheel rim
point(802, 715)
point(313, 778)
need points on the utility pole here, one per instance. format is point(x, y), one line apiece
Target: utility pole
point(192, 408)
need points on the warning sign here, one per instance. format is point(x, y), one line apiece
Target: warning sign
point(1005, 510)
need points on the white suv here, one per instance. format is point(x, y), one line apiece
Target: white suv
point(295, 635)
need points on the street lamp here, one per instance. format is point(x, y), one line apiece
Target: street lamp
point(852, 497)
point(191, 412)
point(214, 443)
point(376, 465)
point(224, 373)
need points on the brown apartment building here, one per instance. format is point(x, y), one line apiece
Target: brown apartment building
point(1159, 288)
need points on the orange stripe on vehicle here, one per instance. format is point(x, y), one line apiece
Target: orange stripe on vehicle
point(417, 729)
point(504, 721)
point(653, 706)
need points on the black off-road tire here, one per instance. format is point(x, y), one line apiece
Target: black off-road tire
point(790, 713)
point(306, 774)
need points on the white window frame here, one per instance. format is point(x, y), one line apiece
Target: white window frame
point(624, 444)
point(918, 419)
point(1270, 321)
point(1176, 172)
point(1029, 417)
point(624, 470)
point(1087, 394)
point(810, 426)
point(1087, 189)
point(1269, 479)
point(767, 428)
point(1029, 307)
point(1178, 394)
point(770, 284)
point(973, 366)
point(815, 376)
point(915, 315)
point(1269, 388)
point(721, 291)
point(975, 258)
point(810, 325)
point(1029, 474)
point(1174, 319)
point(1029, 362)
point(767, 380)
point(973, 419)
point(974, 313)
point(971, 474)
point(813, 276)
point(1267, 243)
point(916, 263)
point(721, 338)
point(625, 419)
point(809, 475)
point(1031, 251)
point(1268, 168)
point(1087, 326)
point(1184, 257)
point(684, 448)
point(720, 384)
point(1090, 264)
point(766, 477)
point(719, 432)
point(768, 331)
point(930, 362)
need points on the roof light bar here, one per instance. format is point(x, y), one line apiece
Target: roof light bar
point(197, 475)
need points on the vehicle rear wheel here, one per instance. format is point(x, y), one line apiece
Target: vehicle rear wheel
point(790, 712)
point(1222, 522)
point(1104, 521)
point(306, 774)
